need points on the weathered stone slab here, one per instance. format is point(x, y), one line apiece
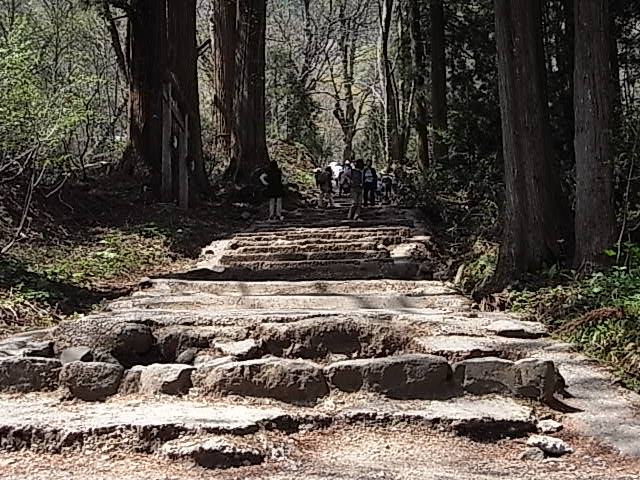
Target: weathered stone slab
point(91, 381)
point(517, 329)
point(130, 343)
point(292, 381)
point(29, 344)
point(28, 374)
point(406, 376)
point(213, 453)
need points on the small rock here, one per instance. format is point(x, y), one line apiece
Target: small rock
point(76, 354)
point(213, 452)
point(168, 379)
point(517, 329)
point(549, 445)
point(244, 350)
point(245, 215)
point(91, 381)
point(532, 454)
point(549, 426)
point(28, 374)
point(187, 357)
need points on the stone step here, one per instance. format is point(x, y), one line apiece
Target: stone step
point(328, 246)
point(297, 302)
point(286, 256)
point(315, 241)
point(364, 287)
point(42, 423)
point(335, 232)
point(335, 222)
point(319, 270)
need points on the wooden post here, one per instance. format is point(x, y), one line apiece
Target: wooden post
point(184, 166)
point(167, 181)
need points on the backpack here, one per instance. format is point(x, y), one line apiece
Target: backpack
point(356, 179)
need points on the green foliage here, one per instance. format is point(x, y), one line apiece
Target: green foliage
point(599, 312)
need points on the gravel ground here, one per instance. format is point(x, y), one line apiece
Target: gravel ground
point(346, 453)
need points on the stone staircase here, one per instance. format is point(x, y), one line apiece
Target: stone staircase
point(295, 326)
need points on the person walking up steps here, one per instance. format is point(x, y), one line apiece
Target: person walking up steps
point(325, 184)
point(272, 180)
point(356, 190)
point(370, 179)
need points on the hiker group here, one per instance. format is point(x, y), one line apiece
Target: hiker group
point(359, 180)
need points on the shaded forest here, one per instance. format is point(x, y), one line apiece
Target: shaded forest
point(514, 129)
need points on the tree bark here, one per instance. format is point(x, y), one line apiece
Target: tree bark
point(418, 54)
point(535, 210)
point(147, 26)
point(223, 71)
point(393, 139)
point(595, 213)
point(248, 139)
point(183, 63)
point(439, 82)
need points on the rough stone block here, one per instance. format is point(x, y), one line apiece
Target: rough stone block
point(486, 375)
point(244, 350)
point(402, 377)
point(28, 374)
point(129, 342)
point(292, 381)
point(168, 379)
point(91, 381)
point(537, 379)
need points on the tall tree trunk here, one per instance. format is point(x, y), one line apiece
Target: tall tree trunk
point(223, 70)
point(439, 81)
point(418, 54)
point(535, 210)
point(183, 64)
point(248, 141)
point(389, 87)
point(147, 27)
point(595, 215)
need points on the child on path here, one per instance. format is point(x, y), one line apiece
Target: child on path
point(272, 180)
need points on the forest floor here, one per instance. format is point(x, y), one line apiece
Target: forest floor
point(94, 242)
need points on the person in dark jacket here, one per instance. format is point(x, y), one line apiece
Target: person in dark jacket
point(370, 184)
point(272, 180)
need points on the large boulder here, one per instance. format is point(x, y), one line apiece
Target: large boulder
point(91, 381)
point(402, 377)
point(130, 343)
point(28, 374)
point(292, 381)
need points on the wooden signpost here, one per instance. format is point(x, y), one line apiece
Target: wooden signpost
point(173, 120)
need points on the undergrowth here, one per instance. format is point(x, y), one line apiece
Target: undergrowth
point(599, 313)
